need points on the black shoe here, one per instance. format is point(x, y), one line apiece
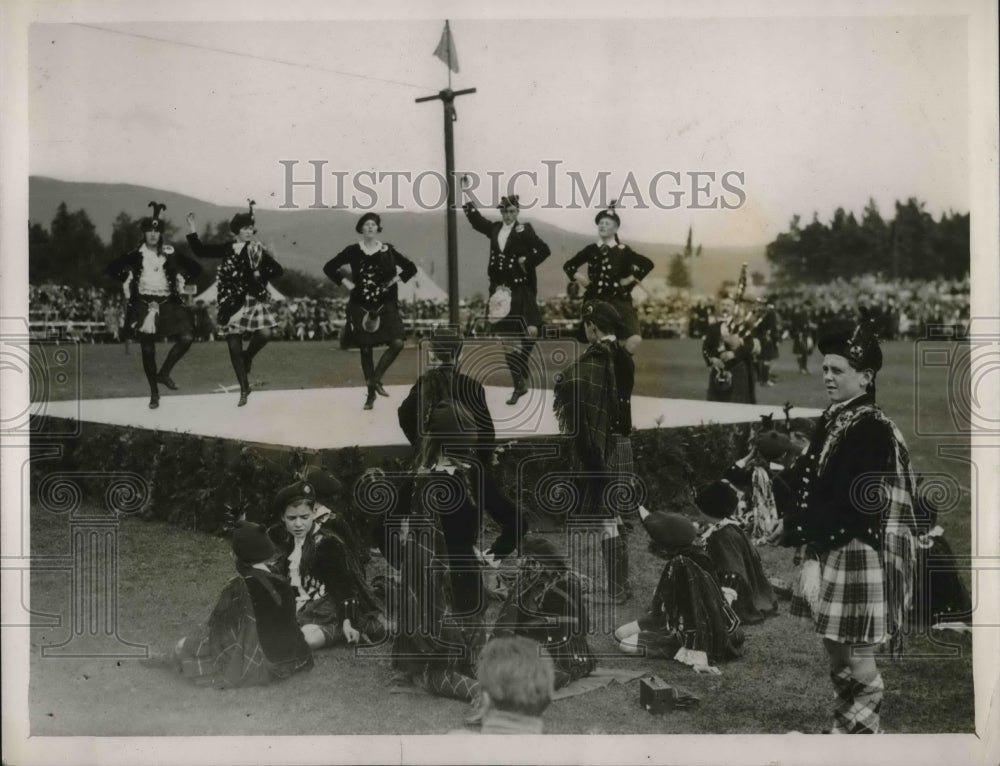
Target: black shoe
point(518, 392)
point(370, 402)
point(154, 402)
point(380, 390)
point(243, 397)
point(166, 380)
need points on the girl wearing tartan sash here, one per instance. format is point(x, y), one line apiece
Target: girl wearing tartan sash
point(429, 538)
point(853, 523)
point(592, 404)
point(244, 274)
point(251, 638)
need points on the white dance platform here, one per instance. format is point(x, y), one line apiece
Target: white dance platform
point(333, 418)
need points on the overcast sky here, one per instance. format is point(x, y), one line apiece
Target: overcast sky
point(814, 113)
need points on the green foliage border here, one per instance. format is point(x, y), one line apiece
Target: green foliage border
point(205, 483)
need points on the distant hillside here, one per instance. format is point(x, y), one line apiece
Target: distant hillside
point(306, 239)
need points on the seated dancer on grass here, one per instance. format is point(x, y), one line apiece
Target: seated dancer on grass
point(736, 562)
point(334, 603)
point(546, 604)
point(244, 274)
point(444, 382)
point(688, 610)
point(373, 317)
point(153, 277)
point(429, 538)
point(252, 637)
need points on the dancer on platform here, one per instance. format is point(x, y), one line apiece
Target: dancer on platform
point(373, 309)
point(153, 277)
point(854, 525)
point(515, 252)
point(244, 310)
point(613, 270)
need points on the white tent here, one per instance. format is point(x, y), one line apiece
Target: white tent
point(211, 293)
point(421, 288)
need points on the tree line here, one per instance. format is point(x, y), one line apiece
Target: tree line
point(913, 245)
point(71, 252)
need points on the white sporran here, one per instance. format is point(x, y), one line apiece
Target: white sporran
point(499, 305)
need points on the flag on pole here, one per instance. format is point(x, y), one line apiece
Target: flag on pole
point(446, 49)
point(687, 247)
point(697, 253)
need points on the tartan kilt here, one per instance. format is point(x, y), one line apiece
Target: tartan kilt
point(391, 327)
point(524, 313)
point(323, 613)
point(174, 318)
point(627, 312)
point(852, 605)
point(616, 492)
point(255, 315)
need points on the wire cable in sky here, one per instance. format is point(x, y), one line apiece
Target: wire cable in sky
point(252, 56)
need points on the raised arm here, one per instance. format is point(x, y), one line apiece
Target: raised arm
point(479, 223)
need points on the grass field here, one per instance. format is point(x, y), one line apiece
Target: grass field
point(169, 578)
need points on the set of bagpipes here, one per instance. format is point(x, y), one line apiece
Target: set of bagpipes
point(747, 317)
point(757, 475)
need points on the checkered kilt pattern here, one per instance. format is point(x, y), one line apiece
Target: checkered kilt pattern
point(852, 606)
point(255, 315)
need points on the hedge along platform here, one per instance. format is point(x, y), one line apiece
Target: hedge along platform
point(333, 418)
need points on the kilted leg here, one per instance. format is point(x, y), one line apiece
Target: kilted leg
point(258, 340)
point(367, 363)
point(446, 682)
point(147, 345)
point(235, 344)
point(842, 689)
point(862, 714)
point(178, 350)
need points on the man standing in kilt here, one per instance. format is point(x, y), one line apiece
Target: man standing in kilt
point(373, 309)
point(515, 253)
point(153, 276)
point(853, 523)
point(244, 274)
point(592, 401)
point(613, 270)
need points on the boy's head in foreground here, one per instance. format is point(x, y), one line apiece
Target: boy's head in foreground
point(516, 676)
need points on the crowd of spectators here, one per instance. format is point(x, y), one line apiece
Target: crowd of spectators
point(903, 309)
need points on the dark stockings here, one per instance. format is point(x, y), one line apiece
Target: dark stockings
point(179, 349)
point(148, 347)
point(517, 362)
point(384, 362)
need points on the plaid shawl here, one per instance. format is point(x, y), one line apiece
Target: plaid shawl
point(893, 490)
point(548, 606)
point(586, 405)
point(425, 630)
